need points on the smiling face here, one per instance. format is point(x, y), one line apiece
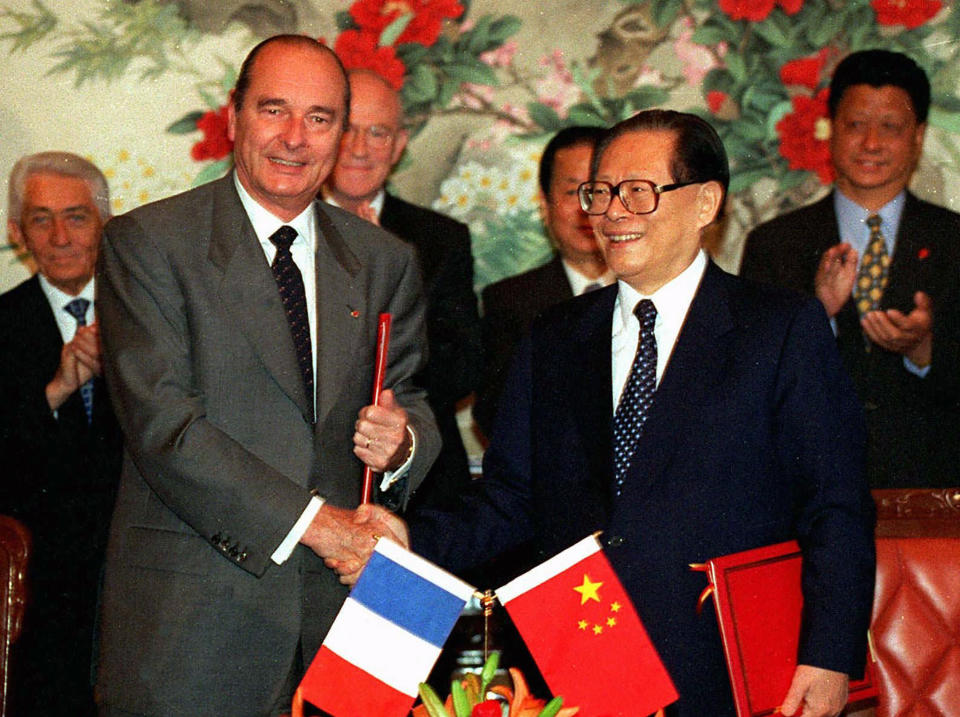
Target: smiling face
point(568, 225)
point(61, 226)
point(371, 145)
point(648, 250)
point(875, 143)
point(287, 132)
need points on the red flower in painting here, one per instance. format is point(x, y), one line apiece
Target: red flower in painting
point(428, 16)
point(804, 71)
point(359, 51)
point(909, 13)
point(804, 136)
point(715, 100)
point(757, 10)
point(215, 143)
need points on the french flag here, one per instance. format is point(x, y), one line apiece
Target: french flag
point(386, 637)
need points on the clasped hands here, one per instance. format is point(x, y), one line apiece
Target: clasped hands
point(345, 538)
point(79, 362)
point(910, 335)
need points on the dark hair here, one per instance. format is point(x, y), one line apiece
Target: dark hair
point(564, 139)
point(246, 69)
point(879, 68)
point(698, 153)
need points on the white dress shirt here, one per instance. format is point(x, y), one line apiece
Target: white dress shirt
point(672, 300)
point(579, 282)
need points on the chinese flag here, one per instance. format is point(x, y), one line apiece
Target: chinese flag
point(585, 635)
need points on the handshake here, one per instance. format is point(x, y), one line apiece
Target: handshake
point(345, 538)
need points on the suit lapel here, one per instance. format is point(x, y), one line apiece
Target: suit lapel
point(905, 277)
point(695, 368)
point(341, 313)
point(249, 293)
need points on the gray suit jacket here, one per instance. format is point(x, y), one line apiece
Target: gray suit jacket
point(221, 454)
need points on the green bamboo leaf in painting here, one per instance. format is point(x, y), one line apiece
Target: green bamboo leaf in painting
point(186, 124)
point(395, 29)
point(503, 28)
point(475, 41)
point(420, 85)
point(475, 72)
point(585, 115)
point(544, 116)
point(736, 66)
point(212, 171)
point(33, 27)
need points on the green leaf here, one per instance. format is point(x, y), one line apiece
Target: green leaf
point(645, 97)
point(585, 115)
point(212, 171)
point(744, 180)
point(489, 671)
point(551, 708)
point(666, 11)
point(544, 116)
point(448, 88)
point(395, 29)
point(343, 20)
point(945, 102)
point(503, 28)
point(186, 124)
point(949, 121)
point(461, 704)
point(736, 66)
point(431, 701)
point(477, 39)
point(32, 27)
point(420, 85)
point(475, 72)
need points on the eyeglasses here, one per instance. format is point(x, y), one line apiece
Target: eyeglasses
point(376, 135)
point(638, 196)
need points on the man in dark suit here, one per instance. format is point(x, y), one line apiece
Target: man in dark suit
point(372, 145)
point(902, 347)
point(59, 440)
point(239, 322)
point(511, 304)
point(735, 427)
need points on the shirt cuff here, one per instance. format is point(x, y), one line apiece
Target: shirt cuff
point(285, 549)
point(391, 477)
point(914, 369)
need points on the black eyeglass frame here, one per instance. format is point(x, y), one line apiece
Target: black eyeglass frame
point(657, 190)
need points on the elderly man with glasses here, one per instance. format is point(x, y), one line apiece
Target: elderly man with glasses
point(686, 414)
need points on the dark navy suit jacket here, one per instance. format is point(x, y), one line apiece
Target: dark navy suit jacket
point(755, 437)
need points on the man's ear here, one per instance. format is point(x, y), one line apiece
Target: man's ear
point(15, 236)
point(399, 144)
point(709, 202)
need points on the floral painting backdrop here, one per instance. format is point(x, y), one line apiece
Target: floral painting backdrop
point(139, 86)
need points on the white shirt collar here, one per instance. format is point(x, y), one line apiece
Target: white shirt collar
point(579, 282)
point(265, 223)
point(376, 204)
point(58, 299)
point(672, 300)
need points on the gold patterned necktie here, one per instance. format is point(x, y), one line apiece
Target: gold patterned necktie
point(872, 277)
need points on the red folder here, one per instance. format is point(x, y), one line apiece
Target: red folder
point(759, 603)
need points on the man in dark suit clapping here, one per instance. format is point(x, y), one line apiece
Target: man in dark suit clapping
point(886, 266)
point(59, 440)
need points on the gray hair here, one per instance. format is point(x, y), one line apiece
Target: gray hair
point(62, 163)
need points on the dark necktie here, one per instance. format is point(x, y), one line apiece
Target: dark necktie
point(872, 277)
point(294, 298)
point(637, 395)
point(78, 310)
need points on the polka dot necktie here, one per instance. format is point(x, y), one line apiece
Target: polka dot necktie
point(872, 277)
point(634, 406)
point(78, 310)
point(294, 298)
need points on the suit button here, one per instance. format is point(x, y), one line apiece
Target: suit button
point(615, 541)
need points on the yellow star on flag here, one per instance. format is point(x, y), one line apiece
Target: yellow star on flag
point(582, 624)
point(614, 607)
point(589, 590)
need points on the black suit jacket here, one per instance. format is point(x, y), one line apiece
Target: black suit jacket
point(754, 437)
point(59, 478)
point(509, 307)
point(913, 423)
point(453, 334)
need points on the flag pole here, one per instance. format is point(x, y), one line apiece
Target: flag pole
point(379, 370)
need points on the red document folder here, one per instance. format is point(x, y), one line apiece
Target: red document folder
point(759, 603)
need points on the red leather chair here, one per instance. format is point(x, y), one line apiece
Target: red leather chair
point(916, 611)
point(14, 552)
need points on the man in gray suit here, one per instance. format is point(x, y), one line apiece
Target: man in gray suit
point(218, 307)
